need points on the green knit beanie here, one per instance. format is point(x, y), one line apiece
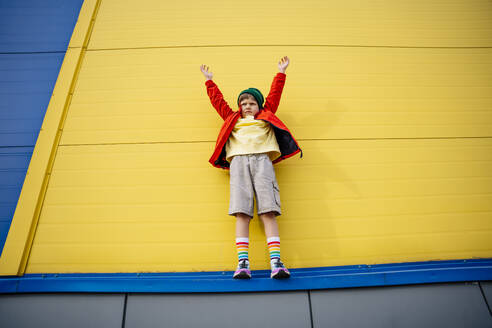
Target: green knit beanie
point(255, 93)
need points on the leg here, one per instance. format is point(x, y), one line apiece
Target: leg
point(279, 271)
point(242, 225)
point(242, 246)
point(268, 201)
point(270, 223)
point(272, 234)
point(241, 206)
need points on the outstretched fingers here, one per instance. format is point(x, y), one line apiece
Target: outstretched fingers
point(206, 71)
point(283, 64)
point(284, 60)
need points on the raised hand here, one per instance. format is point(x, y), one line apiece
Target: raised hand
point(206, 73)
point(283, 63)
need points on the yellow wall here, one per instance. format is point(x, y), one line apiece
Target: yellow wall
point(390, 101)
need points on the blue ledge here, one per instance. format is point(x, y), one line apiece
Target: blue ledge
point(301, 279)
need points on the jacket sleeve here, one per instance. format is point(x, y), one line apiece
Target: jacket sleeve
point(273, 99)
point(217, 99)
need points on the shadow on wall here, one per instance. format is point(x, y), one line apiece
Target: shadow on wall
point(312, 188)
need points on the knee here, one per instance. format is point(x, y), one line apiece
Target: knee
point(268, 217)
point(243, 218)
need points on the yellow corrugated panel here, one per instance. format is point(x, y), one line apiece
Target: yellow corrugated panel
point(156, 23)
point(155, 95)
point(161, 207)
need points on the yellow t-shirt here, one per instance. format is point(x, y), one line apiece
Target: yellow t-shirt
point(250, 136)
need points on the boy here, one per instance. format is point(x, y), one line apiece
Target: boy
point(250, 141)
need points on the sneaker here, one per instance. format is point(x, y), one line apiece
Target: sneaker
point(242, 271)
point(279, 271)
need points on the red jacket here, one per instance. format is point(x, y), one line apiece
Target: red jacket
point(287, 144)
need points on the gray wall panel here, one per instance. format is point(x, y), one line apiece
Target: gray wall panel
point(61, 310)
point(282, 309)
point(440, 305)
point(487, 290)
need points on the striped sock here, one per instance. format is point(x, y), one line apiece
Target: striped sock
point(242, 245)
point(274, 247)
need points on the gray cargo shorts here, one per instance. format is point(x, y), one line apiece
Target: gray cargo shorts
point(253, 175)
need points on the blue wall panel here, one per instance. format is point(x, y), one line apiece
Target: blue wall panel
point(37, 26)
point(26, 85)
point(34, 36)
point(14, 162)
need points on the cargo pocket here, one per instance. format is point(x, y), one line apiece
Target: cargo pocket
point(276, 193)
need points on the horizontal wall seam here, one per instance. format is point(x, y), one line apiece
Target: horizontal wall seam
point(289, 45)
point(307, 139)
point(32, 52)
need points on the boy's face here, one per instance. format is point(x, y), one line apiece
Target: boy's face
point(249, 107)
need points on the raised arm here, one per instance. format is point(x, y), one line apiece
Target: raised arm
point(273, 98)
point(216, 97)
